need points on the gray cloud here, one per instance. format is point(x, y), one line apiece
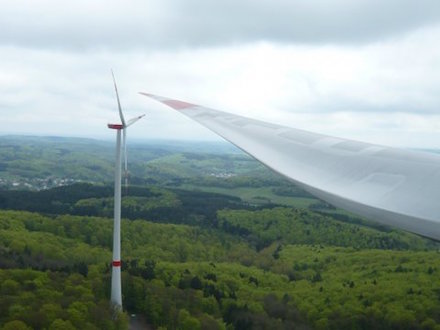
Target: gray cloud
point(352, 68)
point(84, 25)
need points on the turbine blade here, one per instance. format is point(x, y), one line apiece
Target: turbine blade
point(133, 120)
point(121, 115)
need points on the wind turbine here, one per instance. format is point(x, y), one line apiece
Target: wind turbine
point(116, 295)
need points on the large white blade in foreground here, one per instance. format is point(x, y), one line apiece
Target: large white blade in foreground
point(392, 186)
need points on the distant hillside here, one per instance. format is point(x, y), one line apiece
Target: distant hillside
point(36, 163)
point(92, 160)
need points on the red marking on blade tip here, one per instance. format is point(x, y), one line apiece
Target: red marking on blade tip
point(178, 105)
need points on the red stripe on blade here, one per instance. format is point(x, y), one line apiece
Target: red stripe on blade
point(178, 105)
point(116, 263)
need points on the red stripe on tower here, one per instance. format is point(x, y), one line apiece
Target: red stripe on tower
point(178, 105)
point(116, 263)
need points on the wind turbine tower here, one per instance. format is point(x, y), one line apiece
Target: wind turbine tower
point(116, 295)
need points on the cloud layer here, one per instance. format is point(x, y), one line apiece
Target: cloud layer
point(84, 25)
point(366, 70)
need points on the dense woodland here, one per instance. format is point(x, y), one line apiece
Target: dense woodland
point(203, 260)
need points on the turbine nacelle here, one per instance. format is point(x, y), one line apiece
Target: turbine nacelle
point(115, 126)
point(128, 124)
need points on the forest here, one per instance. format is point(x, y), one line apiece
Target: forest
point(194, 257)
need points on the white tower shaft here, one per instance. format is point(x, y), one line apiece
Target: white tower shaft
point(116, 296)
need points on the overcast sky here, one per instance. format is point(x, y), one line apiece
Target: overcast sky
point(366, 69)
